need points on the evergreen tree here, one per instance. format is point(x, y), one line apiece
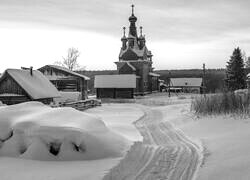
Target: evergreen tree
point(235, 74)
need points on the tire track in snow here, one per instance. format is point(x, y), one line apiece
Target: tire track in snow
point(165, 153)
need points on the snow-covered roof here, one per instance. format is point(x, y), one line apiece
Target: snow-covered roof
point(115, 81)
point(140, 53)
point(186, 82)
point(131, 66)
point(37, 86)
point(154, 74)
point(10, 95)
point(67, 71)
point(248, 75)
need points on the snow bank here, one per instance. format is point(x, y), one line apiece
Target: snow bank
point(35, 131)
point(1, 104)
point(241, 91)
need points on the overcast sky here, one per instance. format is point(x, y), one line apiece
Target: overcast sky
point(180, 34)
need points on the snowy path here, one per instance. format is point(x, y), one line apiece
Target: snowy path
point(165, 153)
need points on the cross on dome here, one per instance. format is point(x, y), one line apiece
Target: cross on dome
point(141, 30)
point(124, 31)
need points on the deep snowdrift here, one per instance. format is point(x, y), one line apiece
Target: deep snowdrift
point(35, 131)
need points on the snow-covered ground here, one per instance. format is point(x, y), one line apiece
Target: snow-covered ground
point(120, 118)
point(165, 153)
point(23, 169)
point(29, 130)
point(169, 142)
point(225, 139)
point(227, 147)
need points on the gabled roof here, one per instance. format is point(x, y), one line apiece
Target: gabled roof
point(66, 70)
point(128, 54)
point(37, 86)
point(135, 53)
point(186, 82)
point(131, 66)
point(115, 81)
point(127, 63)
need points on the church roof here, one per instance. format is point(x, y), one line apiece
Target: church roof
point(136, 53)
point(154, 74)
point(131, 66)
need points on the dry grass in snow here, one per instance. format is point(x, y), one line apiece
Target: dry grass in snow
point(223, 103)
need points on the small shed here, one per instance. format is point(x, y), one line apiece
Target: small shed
point(18, 85)
point(190, 85)
point(115, 86)
point(154, 82)
point(66, 80)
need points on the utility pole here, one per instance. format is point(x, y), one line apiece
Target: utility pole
point(169, 84)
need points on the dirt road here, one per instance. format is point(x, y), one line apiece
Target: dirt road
point(165, 153)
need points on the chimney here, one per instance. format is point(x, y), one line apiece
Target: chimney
point(31, 70)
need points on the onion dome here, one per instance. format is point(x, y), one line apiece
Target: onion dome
point(132, 18)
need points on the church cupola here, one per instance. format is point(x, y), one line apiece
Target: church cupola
point(131, 41)
point(124, 39)
point(133, 44)
point(141, 39)
point(132, 20)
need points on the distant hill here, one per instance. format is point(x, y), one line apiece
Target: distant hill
point(187, 72)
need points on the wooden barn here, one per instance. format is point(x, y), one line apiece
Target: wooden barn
point(115, 86)
point(18, 85)
point(66, 80)
point(187, 85)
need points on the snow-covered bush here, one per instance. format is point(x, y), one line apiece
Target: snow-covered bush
point(35, 131)
point(1, 104)
point(241, 91)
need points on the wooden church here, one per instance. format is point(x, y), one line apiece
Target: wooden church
point(134, 58)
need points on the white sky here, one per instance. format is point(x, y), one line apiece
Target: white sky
point(180, 34)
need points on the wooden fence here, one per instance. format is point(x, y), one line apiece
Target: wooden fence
point(83, 104)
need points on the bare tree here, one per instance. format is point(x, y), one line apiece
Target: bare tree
point(70, 61)
point(247, 62)
point(246, 59)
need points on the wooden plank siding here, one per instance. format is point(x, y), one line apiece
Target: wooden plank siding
point(9, 85)
point(115, 93)
point(9, 100)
